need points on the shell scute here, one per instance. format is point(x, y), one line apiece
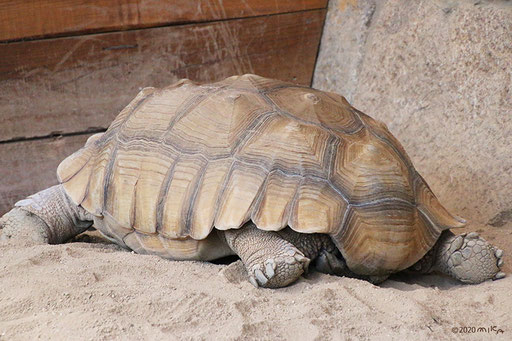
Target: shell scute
point(316, 107)
point(383, 238)
point(367, 169)
point(277, 198)
point(215, 126)
point(283, 143)
point(317, 208)
point(179, 196)
point(239, 196)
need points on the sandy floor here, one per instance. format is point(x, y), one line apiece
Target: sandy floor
point(97, 291)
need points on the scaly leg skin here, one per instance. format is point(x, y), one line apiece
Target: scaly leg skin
point(271, 261)
point(466, 257)
point(48, 216)
point(327, 258)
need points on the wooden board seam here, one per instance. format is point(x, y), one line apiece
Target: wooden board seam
point(142, 27)
point(53, 136)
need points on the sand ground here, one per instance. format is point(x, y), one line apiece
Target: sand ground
point(93, 290)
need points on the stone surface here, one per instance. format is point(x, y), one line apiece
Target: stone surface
point(439, 74)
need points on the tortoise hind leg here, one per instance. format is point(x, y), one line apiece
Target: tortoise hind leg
point(332, 263)
point(323, 252)
point(48, 216)
point(466, 257)
point(270, 260)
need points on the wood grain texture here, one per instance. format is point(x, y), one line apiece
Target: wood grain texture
point(37, 18)
point(71, 84)
point(30, 166)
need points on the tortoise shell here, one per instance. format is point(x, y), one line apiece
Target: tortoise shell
point(182, 160)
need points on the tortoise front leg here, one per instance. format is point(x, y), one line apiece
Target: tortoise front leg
point(466, 257)
point(48, 216)
point(270, 260)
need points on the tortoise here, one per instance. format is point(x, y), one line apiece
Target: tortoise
point(279, 174)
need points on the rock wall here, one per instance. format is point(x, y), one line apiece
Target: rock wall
point(439, 74)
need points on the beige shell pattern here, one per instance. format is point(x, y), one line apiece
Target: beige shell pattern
point(182, 160)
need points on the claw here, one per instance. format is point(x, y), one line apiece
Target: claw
point(24, 202)
point(456, 244)
point(305, 262)
point(291, 252)
point(500, 262)
point(472, 235)
point(253, 282)
point(301, 258)
point(270, 266)
point(457, 258)
point(260, 277)
point(498, 253)
point(499, 275)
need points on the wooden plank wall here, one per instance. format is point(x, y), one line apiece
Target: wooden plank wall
point(59, 82)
